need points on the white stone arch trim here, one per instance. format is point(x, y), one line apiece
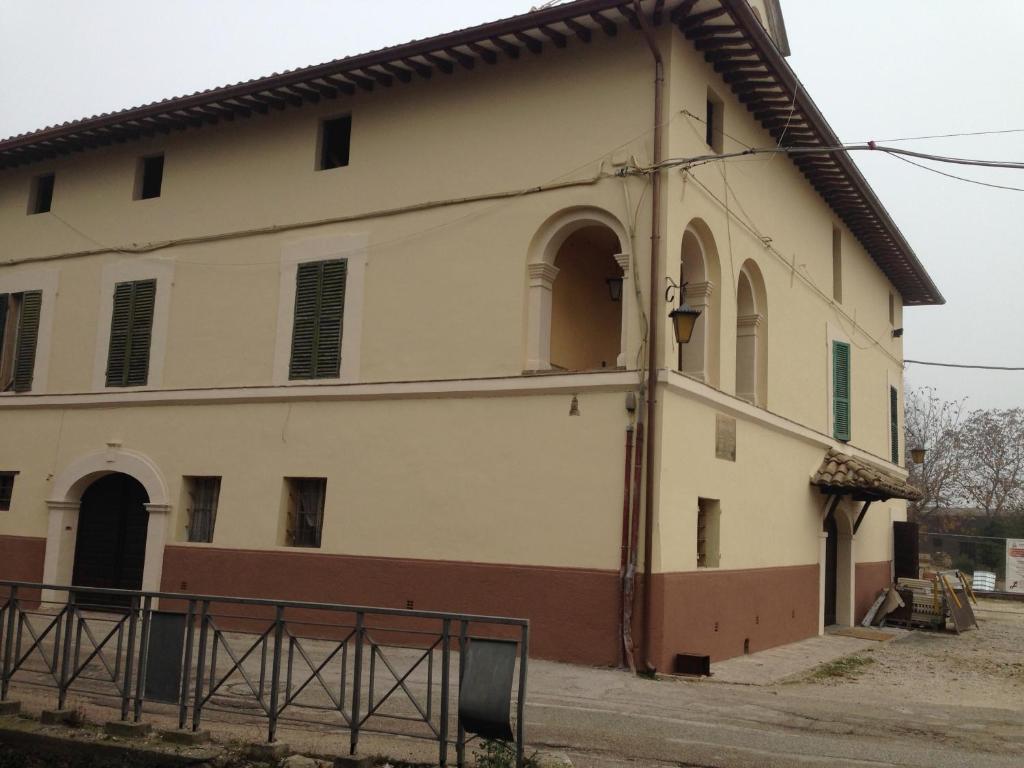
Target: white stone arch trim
point(541, 274)
point(65, 501)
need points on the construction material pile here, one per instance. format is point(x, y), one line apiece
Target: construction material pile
point(944, 598)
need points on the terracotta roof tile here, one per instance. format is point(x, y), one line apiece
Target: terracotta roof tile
point(840, 472)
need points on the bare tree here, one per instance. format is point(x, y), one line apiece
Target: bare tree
point(991, 475)
point(934, 424)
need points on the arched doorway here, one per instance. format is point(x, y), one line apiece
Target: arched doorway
point(110, 544)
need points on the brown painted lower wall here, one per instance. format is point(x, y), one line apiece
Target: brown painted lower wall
point(21, 559)
point(871, 578)
point(714, 612)
point(573, 613)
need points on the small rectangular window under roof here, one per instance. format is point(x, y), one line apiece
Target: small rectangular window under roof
point(150, 177)
point(41, 195)
point(335, 136)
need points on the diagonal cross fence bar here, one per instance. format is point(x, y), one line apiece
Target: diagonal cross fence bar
point(341, 668)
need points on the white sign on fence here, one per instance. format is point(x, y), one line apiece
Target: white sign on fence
point(1015, 565)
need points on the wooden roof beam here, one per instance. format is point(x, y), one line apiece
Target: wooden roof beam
point(532, 43)
point(509, 49)
point(489, 55)
point(404, 75)
point(419, 68)
point(554, 36)
point(697, 19)
point(682, 11)
point(465, 60)
point(607, 25)
point(445, 65)
point(583, 33)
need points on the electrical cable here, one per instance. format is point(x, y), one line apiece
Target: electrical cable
point(871, 146)
point(967, 366)
point(959, 178)
point(946, 136)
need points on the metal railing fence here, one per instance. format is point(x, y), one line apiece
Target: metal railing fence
point(355, 668)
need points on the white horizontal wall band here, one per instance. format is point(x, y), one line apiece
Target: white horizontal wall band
point(539, 384)
point(508, 385)
point(740, 408)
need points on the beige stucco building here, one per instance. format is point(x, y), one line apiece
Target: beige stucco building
point(349, 334)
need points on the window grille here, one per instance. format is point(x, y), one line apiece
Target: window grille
point(204, 493)
point(306, 510)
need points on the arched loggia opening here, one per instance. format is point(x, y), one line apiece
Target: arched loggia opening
point(586, 319)
point(110, 544)
point(699, 270)
point(751, 330)
point(579, 293)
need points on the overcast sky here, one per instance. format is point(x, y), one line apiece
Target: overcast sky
point(878, 69)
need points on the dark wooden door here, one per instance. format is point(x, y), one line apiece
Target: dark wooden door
point(831, 568)
point(110, 548)
point(906, 550)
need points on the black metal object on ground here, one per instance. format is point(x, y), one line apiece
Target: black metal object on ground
point(164, 655)
point(693, 664)
point(485, 706)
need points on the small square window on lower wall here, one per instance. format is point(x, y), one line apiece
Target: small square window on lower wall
point(201, 497)
point(709, 514)
point(305, 510)
point(6, 489)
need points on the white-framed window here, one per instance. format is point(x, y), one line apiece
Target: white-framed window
point(131, 339)
point(26, 323)
point(320, 290)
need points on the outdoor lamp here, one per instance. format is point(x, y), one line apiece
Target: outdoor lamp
point(683, 319)
point(615, 288)
point(917, 455)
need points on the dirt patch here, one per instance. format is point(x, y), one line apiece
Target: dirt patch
point(846, 668)
point(979, 668)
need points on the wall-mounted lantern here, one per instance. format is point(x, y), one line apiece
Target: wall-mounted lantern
point(917, 454)
point(684, 317)
point(615, 288)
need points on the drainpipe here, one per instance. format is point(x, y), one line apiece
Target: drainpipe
point(652, 333)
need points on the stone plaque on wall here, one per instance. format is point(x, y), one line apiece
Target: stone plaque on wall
point(725, 438)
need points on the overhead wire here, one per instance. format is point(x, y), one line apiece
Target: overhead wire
point(959, 178)
point(967, 366)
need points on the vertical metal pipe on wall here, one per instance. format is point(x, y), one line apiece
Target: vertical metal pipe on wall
point(652, 334)
point(624, 556)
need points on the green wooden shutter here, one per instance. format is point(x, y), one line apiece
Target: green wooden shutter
point(28, 335)
point(319, 313)
point(332, 310)
point(131, 330)
point(307, 293)
point(141, 333)
point(841, 390)
point(894, 424)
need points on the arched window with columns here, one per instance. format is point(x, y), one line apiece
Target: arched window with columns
point(701, 273)
point(751, 333)
point(578, 290)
